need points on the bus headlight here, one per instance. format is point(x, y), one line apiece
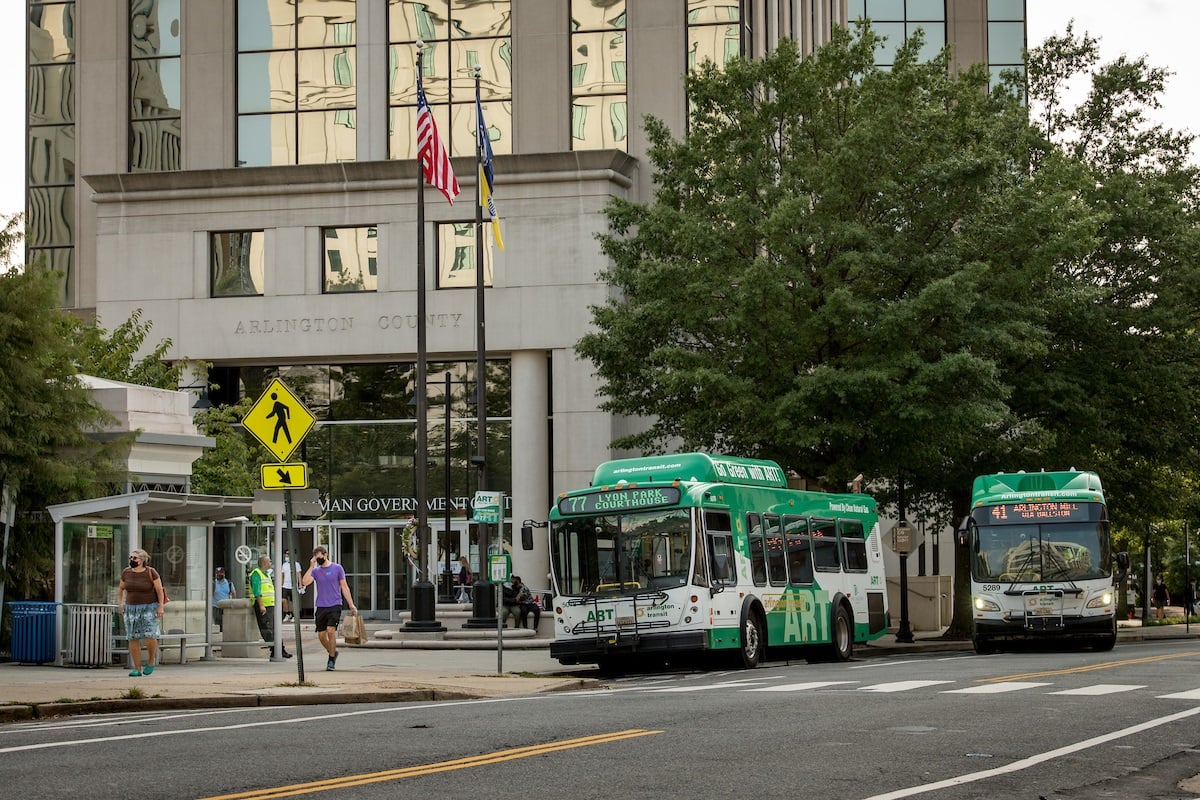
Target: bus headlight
point(1100, 600)
point(983, 604)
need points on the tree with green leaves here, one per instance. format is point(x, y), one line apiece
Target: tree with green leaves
point(900, 273)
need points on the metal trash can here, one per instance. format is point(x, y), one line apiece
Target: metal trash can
point(33, 632)
point(89, 634)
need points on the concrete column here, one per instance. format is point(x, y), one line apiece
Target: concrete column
point(370, 76)
point(541, 70)
point(966, 29)
point(530, 462)
point(207, 112)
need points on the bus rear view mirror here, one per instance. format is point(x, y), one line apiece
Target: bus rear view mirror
point(526, 537)
point(1123, 561)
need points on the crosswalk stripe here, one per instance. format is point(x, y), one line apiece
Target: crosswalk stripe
point(901, 686)
point(799, 687)
point(707, 687)
point(1100, 689)
point(997, 688)
point(1191, 694)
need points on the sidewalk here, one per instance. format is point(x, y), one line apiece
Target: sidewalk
point(381, 671)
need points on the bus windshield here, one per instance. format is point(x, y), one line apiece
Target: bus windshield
point(623, 553)
point(1067, 551)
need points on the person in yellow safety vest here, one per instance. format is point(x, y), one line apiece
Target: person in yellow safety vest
point(262, 588)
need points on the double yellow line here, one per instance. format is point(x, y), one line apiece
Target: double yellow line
point(1088, 668)
point(348, 781)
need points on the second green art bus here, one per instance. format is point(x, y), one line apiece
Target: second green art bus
point(695, 553)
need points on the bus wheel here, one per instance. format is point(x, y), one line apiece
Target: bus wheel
point(612, 666)
point(753, 640)
point(841, 648)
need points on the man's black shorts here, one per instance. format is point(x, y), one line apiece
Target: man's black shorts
point(327, 617)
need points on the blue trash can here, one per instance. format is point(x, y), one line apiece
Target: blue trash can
point(33, 632)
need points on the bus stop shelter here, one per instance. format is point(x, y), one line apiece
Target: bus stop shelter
point(92, 540)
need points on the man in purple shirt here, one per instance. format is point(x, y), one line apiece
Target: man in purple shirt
point(330, 579)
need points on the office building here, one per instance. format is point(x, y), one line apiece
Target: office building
point(243, 171)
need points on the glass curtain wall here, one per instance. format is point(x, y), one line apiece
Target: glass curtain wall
point(458, 35)
point(296, 93)
point(1006, 37)
point(714, 32)
point(899, 19)
point(50, 170)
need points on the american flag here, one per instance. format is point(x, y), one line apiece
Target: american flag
point(434, 161)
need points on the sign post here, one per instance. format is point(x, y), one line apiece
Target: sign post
point(280, 421)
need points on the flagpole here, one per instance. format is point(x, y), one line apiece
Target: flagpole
point(423, 596)
point(483, 611)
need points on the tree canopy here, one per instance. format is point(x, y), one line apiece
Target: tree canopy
point(906, 274)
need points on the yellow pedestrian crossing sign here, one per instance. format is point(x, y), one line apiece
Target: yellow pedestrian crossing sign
point(285, 476)
point(279, 420)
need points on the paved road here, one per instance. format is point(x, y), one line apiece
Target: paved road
point(1038, 723)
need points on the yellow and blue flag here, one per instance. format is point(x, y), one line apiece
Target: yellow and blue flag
point(486, 175)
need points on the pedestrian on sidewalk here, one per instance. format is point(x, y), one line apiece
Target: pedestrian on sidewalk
point(465, 581)
point(1189, 598)
point(290, 570)
point(262, 588)
point(330, 580)
point(1161, 597)
point(141, 601)
point(222, 590)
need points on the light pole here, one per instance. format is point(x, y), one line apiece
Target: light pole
point(904, 533)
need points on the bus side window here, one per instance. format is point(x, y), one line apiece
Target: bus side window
point(776, 556)
point(825, 546)
point(799, 557)
point(854, 545)
point(758, 558)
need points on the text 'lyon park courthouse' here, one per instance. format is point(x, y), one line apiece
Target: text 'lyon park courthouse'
point(245, 173)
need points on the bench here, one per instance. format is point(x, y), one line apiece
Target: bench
point(121, 644)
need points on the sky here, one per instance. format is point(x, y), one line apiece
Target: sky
point(1163, 30)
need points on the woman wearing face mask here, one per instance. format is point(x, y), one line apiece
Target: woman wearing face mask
point(140, 599)
point(330, 579)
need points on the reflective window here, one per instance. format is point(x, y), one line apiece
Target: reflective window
point(456, 255)
point(799, 557)
point(236, 263)
point(714, 32)
point(1006, 37)
point(155, 134)
point(351, 258)
point(599, 105)
point(776, 552)
point(296, 88)
point(898, 20)
point(854, 545)
point(824, 545)
point(758, 556)
point(50, 165)
point(458, 35)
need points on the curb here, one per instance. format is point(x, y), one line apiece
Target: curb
point(22, 712)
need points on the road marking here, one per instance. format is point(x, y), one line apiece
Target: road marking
point(1193, 694)
point(1101, 688)
point(900, 686)
point(389, 709)
point(1034, 760)
point(997, 688)
point(484, 759)
point(799, 687)
point(884, 664)
point(706, 687)
point(1089, 668)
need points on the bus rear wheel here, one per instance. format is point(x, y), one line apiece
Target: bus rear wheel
point(753, 640)
point(983, 645)
point(841, 647)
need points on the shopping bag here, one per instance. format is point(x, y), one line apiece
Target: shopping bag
point(353, 630)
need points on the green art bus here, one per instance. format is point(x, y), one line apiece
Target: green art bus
point(693, 553)
point(1040, 559)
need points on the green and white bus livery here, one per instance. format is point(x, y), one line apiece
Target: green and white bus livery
point(696, 552)
point(1040, 559)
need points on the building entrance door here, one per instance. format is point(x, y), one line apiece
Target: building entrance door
point(365, 555)
point(450, 545)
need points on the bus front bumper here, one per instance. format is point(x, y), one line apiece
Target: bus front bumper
point(592, 649)
point(1013, 627)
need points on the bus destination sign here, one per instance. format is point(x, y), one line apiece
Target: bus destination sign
point(619, 500)
point(1055, 511)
